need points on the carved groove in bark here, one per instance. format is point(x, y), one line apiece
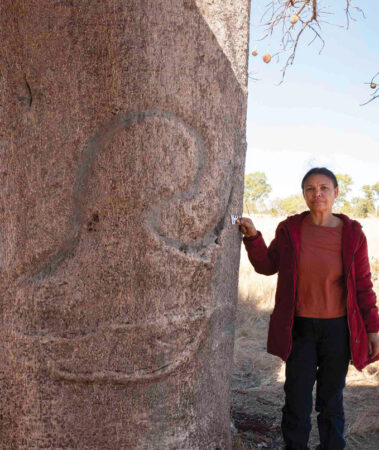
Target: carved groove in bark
point(188, 328)
point(96, 339)
point(121, 122)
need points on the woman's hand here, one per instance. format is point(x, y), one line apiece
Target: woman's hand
point(247, 227)
point(373, 344)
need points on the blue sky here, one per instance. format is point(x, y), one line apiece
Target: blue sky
point(315, 117)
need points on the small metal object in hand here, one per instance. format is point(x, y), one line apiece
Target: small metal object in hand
point(236, 220)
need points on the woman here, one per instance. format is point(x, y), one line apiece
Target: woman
point(325, 310)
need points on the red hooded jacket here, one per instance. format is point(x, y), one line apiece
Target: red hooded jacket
point(282, 256)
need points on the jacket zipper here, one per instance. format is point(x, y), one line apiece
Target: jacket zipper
point(295, 291)
point(347, 296)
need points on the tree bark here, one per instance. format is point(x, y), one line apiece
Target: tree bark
point(122, 146)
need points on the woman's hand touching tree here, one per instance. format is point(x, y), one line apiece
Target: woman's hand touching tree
point(247, 227)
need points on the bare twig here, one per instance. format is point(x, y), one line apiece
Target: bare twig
point(251, 76)
point(292, 19)
point(374, 86)
point(348, 14)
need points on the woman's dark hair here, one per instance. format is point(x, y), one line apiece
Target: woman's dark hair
point(320, 171)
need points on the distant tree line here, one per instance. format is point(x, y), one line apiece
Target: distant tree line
point(257, 191)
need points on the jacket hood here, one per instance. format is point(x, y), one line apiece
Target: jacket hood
point(350, 225)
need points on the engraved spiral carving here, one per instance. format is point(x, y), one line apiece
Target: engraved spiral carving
point(119, 349)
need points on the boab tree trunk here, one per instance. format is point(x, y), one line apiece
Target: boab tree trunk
point(122, 151)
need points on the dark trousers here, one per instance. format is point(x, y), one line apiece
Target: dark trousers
point(320, 352)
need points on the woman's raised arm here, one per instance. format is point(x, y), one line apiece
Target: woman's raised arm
point(264, 260)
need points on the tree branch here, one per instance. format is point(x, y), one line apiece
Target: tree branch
point(373, 85)
point(283, 17)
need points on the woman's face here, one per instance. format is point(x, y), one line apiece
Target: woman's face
point(319, 193)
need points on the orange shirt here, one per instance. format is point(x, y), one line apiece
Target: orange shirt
point(320, 292)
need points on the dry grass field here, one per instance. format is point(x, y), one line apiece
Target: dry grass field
point(257, 381)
